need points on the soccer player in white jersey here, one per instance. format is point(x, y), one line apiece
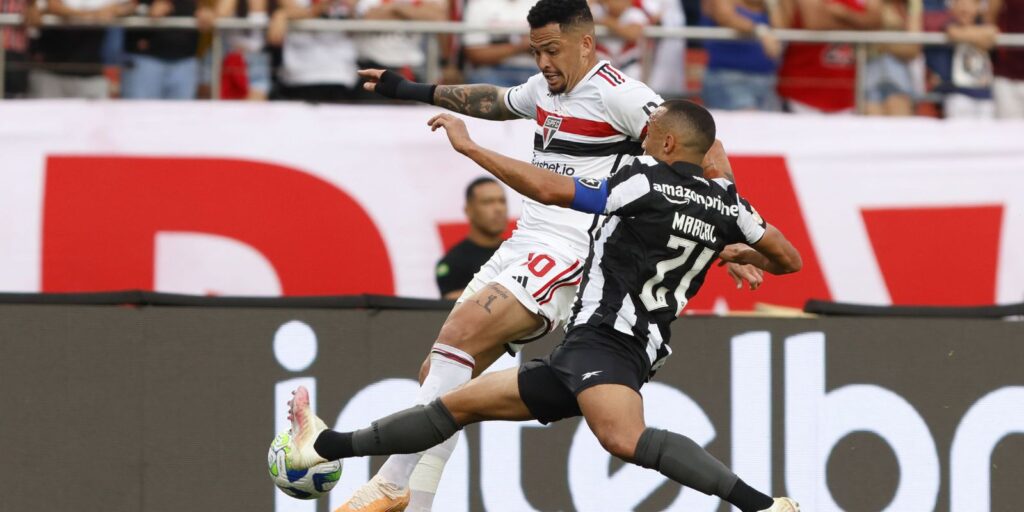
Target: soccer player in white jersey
point(590, 121)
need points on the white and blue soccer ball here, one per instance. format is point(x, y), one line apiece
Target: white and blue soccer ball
point(304, 484)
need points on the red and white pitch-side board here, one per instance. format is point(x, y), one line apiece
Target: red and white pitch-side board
point(288, 199)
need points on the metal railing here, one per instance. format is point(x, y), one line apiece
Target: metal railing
point(861, 39)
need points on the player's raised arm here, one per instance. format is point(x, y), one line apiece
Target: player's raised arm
point(531, 181)
point(484, 101)
point(716, 163)
point(773, 253)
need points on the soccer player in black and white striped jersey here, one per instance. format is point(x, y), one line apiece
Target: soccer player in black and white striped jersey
point(589, 119)
point(666, 224)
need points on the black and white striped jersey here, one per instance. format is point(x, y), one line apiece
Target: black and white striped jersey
point(666, 224)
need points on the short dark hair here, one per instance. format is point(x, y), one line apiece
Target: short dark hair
point(688, 116)
point(476, 183)
point(567, 13)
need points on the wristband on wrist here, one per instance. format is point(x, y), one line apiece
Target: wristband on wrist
point(394, 85)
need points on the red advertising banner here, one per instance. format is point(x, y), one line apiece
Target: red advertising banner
point(221, 199)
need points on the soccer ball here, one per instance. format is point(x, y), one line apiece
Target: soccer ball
point(304, 484)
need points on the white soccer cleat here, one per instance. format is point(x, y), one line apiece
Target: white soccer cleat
point(783, 505)
point(377, 495)
point(306, 426)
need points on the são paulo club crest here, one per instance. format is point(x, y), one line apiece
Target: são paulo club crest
point(551, 125)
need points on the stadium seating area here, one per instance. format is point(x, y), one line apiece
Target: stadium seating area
point(971, 78)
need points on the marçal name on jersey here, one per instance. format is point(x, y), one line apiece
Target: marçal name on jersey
point(685, 195)
point(694, 227)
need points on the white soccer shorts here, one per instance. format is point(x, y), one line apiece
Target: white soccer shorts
point(543, 279)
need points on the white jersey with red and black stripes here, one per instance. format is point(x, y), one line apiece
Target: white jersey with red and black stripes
point(588, 132)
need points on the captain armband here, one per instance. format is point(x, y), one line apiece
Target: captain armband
point(591, 195)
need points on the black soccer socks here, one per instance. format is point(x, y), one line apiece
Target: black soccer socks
point(748, 499)
point(410, 431)
point(333, 445)
point(684, 461)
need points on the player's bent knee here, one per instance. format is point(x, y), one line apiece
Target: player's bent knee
point(617, 438)
point(618, 444)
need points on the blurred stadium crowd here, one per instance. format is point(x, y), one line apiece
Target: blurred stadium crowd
point(971, 78)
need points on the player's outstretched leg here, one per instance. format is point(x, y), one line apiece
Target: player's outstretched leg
point(491, 397)
point(407, 431)
point(614, 413)
point(494, 396)
point(471, 340)
point(390, 489)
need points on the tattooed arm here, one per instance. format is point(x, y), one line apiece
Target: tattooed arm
point(479, 100)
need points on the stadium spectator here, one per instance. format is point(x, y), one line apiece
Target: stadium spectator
point(820, 77)
point(402, 53)
point(1008, 86)
point(205, 53)
point(277, 28)
point(487, 212)
point(15, 42)
point(162, 63)
point(623, 46)
point(889, 84)
point(316, 66)
point(964, 71)
point(72, 58)
point(666, 72)
point(499, 59)
point(741, 75)
point(246, 68)
point(451, 47)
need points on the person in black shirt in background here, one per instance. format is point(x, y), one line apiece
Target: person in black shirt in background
point(71, 58)
point(487, 211)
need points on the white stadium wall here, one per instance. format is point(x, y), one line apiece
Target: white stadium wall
point(281, 199)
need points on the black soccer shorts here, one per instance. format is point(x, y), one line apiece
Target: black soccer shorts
point(589, 356)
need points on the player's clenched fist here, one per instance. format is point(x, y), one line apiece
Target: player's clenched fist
point(749, 273)
point(393, 85)
point(456, 130)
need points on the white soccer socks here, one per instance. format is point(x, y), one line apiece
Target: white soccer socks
point(427, 475)
point(449, 368)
